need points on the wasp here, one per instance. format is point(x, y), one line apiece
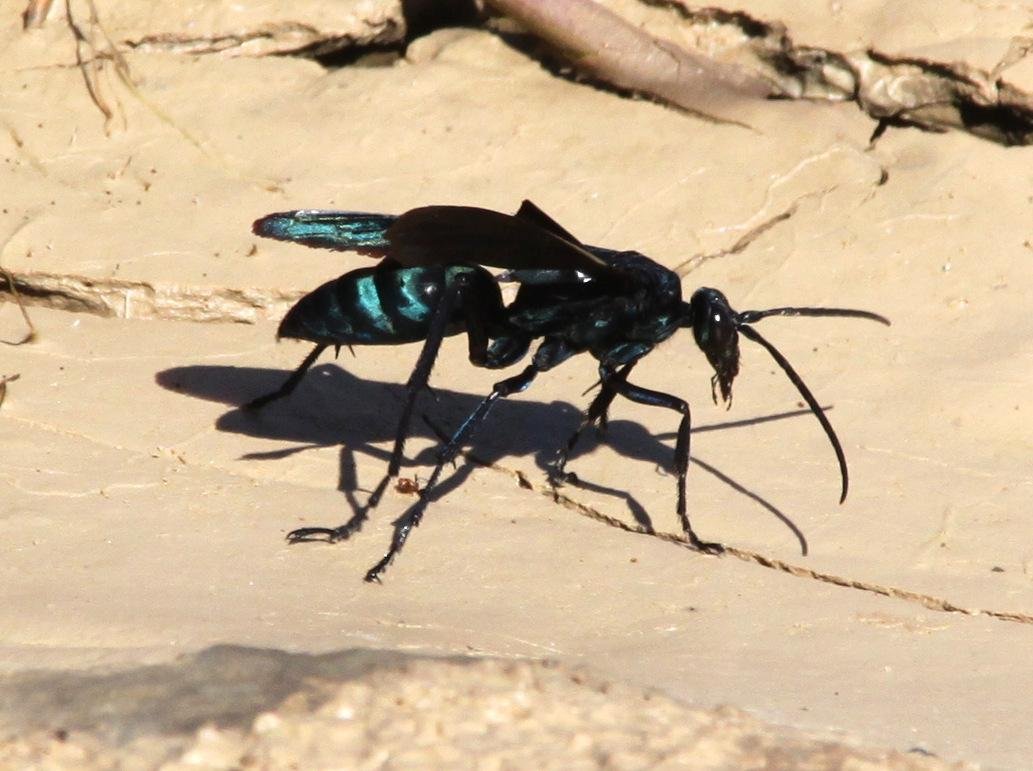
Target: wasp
point(433, 280)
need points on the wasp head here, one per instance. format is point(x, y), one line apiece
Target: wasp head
point(715, 327)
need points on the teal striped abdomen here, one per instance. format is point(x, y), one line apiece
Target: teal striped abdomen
point(379, 306)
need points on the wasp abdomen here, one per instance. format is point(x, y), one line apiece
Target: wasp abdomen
point(380, 305)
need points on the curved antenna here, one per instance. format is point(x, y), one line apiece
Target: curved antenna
point(805, 392)
point(748, 317)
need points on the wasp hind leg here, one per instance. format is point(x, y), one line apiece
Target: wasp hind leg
point(411, 518)
point(478, 317)
point(548, 355)
point(290, 384)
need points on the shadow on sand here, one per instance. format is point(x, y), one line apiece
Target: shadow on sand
point(332, 407)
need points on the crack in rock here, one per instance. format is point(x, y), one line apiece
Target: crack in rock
point(746, 555)
point(895, 90)
point(287, 38)
point(125, 299)
point(245, 28)
point(928, 601)
point(275, 40)
point(692, 263)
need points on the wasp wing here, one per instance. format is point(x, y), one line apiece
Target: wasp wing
point(529, 212)
point(531, 244)
point(339, 230)
point(444, 235)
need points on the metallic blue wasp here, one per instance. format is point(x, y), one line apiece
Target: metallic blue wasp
point(431, 282)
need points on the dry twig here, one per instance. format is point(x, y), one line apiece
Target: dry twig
point(36, 13)
point(4, 380)
point(602, 45)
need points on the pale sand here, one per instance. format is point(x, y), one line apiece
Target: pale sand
point(142, 514)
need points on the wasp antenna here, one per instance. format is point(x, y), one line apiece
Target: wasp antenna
point(805, 392)
point(748, 317)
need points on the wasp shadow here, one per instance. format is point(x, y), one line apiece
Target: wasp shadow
point(633, 441)
point(332, 407)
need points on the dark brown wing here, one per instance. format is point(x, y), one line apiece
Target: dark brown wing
point(529, 212)
point(443, 235)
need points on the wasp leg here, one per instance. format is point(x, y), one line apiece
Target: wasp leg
point(342, 532)
point(597, 411)
point(681, 450)
point(417, 381)
point(411, 518)
point(477, 318)
point(548, 355)
point(291, 382)
point(476, 322)
point(421, 373)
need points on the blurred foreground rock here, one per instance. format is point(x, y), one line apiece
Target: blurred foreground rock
point(230, 707)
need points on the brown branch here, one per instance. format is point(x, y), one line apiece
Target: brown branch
point(4, 380)
point(36, 13)
point(602, 45)
point(31, 335)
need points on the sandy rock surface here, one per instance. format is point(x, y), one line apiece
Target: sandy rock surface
point(232, 707)
point(142, 512)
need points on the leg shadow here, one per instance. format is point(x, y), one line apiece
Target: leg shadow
point(332, 407)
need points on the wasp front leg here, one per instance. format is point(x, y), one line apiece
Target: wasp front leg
point(597, 413)
point(681, 449)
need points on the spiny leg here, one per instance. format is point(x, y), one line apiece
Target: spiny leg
point(477, 319)
point(478, 313)
point(291, 382)
point(411, 519)
point(681, 449)
point(596, 412)
point(345, 531)
point(421, 372)
point(417, 381)
point(347, 485)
